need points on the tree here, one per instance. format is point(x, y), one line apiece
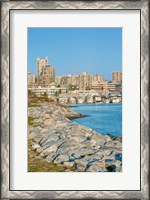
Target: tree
point(59, 92)
point(31, 94)
point(56, 93)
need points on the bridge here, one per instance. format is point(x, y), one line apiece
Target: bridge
point(73, 98)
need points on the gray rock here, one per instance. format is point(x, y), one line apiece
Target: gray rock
point(44, 138)
point(37, 138)
point(77, 139)
point(113, 143)
point(68, 164)
point(81, 168)
point(50, 140)
point(40, 149)
point(49, 150)
point(98, 166)
point(58, 139)
point(93, 168)
point(35, 146)
point(51, 157)
point(31, 135)
point(49, 121)
point(62, 158)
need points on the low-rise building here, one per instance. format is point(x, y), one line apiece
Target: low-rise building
point(51, 91)
point(105, 86)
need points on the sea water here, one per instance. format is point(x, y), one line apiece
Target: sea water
point(103, 118)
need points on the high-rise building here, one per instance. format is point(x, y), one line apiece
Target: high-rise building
point(68, 81)
point(96, 80)
point(71, 79)
point(49, 70)
point(31, 79)
point(117, 77)
point(58, 80)
point(45, 72)
point(83, 81)
point(40, 64)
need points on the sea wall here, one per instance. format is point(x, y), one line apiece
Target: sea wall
point(55, 138)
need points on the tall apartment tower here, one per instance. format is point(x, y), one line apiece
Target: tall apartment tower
point(40, 64)
point(45, 72)
point(117, 77)
point(83, 81)
point(31, 79)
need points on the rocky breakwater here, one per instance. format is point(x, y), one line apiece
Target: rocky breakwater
point(56, 139)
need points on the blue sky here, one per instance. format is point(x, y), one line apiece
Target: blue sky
point(77, 50)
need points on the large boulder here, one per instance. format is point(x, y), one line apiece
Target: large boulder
point(80, 100)
point(31, 135)
point(62, 158)
point(93, 168)
point(69, 164)
point(49, 150)
point(79, 148)
point(35, 146)
point(72, 100)
point(48, 122)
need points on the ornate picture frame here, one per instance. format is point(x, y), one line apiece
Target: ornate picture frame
point(6, 7)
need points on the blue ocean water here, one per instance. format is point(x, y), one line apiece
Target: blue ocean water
point(104, 118)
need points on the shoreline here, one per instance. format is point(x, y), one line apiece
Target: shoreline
point(58, 140)
point(78, 104)
point(91, 116)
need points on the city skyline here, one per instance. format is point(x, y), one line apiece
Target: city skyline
point(83, 81)
point(64, 75)
point(77, 50)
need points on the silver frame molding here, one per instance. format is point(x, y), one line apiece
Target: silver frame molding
point(143, 6)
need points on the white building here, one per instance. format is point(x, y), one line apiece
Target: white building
point(51, 91)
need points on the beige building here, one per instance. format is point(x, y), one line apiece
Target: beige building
point(58, 80)
point(40, 64)
point(51, 91)
point(45, 72)
point(31, 79)
point(106, 86)
point(71, 79)
point(45, 81)
point(66, 80)
point(84, 81)
point(96, 80)
point(49, 71)
point(74, 80)
point(117, 77)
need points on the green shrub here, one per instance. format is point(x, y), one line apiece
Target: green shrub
point(30, 120)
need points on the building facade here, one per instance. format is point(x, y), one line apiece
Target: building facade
point(31, 80)
point(51, 91)
point(83, 81)
point(117, 77)
point(40, 64)
point(45, 72)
